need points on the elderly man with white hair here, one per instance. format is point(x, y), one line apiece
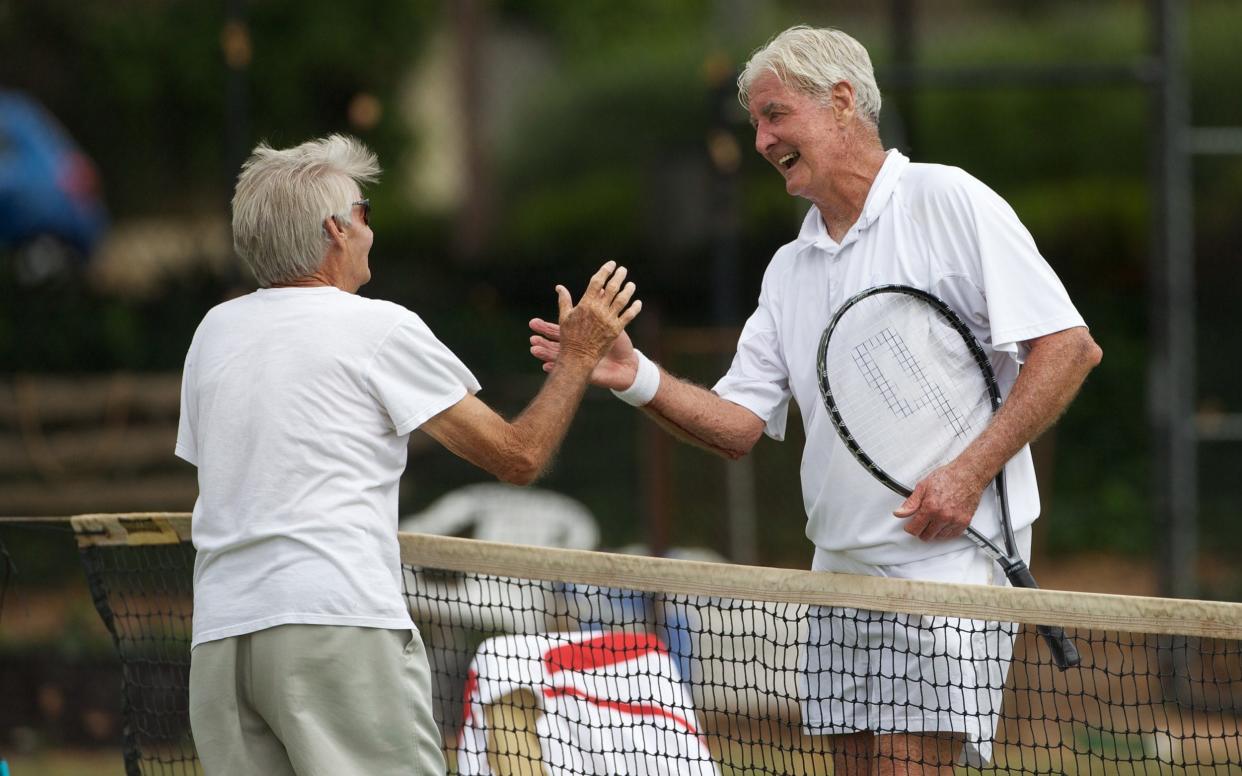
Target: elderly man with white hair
point(297, 403)
point(928, 695)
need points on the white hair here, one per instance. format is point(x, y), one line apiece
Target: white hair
point(813, 61)
point(284, 196)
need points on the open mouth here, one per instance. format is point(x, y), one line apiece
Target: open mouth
point(789, 160)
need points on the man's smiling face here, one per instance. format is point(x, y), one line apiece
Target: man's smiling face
point(797, 133)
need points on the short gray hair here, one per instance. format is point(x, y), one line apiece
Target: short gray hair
point(813, 61)
point(283, 197)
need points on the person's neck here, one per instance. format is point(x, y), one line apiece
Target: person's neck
point(310, 281)
point(328, 274)
point(841, 206)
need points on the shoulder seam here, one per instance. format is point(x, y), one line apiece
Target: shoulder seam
point(366, 371)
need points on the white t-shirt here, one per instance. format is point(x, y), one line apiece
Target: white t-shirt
point(931, 227)
point(296, 407)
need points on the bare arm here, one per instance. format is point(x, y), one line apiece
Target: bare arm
point(689, 412)
point(943, 504)
point(695, 415)
point(519, 452)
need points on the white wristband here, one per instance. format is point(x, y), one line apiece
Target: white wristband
point(646, 383)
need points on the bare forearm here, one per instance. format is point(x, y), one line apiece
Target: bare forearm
point(519, 452)
point(537, 433)
point(689, 412)
point(1055, 369)
point(699, 417)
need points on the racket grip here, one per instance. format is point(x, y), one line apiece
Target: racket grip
point(1064, 653)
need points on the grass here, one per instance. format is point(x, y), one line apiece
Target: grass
point(68, 762)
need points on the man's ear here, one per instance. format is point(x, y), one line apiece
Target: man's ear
point(842, 98)
point(333, 229)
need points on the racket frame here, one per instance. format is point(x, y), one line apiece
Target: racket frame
point(1063, 652)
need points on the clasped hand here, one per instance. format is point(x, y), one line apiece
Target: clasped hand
point(602, 305)
point(592, 326)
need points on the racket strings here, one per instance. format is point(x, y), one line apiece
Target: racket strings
point(931, 393)
point(906, 385)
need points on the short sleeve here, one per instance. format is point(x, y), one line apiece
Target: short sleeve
point(981, 234)
point(415, 377)
point(758, 378)
point(1025, 297)
point(187, 443)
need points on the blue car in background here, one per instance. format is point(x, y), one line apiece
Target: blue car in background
point(51, 211)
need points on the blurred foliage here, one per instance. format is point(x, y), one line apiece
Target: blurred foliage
point(606, 157)
point(582, 31)
point(64, 326)
point(142, 85)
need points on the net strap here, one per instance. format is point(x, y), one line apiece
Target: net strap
point(1209, 619)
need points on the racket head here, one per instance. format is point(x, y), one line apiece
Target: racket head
point(905, 383)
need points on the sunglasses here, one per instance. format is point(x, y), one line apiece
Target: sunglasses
point(365, 204)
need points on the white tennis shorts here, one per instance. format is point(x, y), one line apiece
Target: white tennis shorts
point(905, 673)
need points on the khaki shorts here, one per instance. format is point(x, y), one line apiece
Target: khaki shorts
point(314, 699)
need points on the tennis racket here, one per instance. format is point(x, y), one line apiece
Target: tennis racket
point(908, 388)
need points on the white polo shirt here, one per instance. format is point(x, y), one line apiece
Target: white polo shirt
point(296, 407)
point(923, 225)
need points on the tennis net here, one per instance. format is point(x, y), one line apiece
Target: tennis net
point(569, 662)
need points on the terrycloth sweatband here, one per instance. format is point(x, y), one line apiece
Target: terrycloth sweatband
point(646, 382)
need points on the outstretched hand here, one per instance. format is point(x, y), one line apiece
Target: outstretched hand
point(619, 363)
point(592, 327)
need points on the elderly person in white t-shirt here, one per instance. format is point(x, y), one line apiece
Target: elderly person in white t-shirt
point(297, 404)
point(877, 218)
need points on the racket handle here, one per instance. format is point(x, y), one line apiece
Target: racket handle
point(1064, 653)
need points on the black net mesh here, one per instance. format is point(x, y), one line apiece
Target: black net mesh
point(687, 684)
point(558, 678)
point(143, 594)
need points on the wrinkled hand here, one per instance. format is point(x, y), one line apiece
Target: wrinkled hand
point(942, 504)
point(593, 326)
point(616, 370)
